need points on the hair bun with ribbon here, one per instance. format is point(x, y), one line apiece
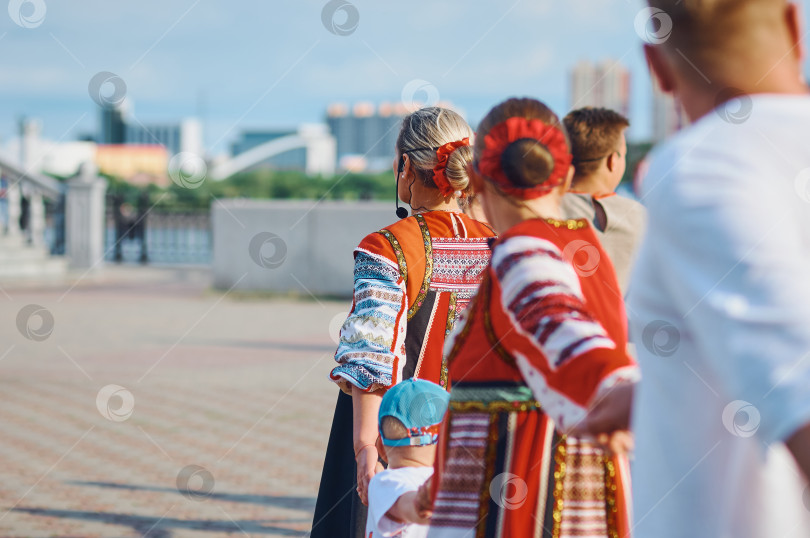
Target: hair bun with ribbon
point(502, 135)
point(440, 170)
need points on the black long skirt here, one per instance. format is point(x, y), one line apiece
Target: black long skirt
point(338, 511)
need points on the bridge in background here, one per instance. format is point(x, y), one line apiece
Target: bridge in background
point(320, 146)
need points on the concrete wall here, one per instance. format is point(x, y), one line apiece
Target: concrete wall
point(302, 247)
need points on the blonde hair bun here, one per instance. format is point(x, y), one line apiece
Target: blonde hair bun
point(433, 127)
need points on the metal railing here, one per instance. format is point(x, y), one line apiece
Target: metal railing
point(134, 234)
point(28, 200)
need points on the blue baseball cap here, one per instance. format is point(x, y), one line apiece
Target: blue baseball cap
point(420, 406)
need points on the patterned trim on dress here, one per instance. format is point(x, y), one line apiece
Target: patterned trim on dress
point(491, 392)
point(363, 355)
point(585, 509)
point(451, 321)
point(398, 252)
point(373, 293)
point(458, 263)
point(546, 487)
point(571, 224)
point(371, 336)
point(420, 297)
point(451, 313)
point(493, 407)
point(375, 321)
point(379, 340)
point(371, 265)
point(489, 475)
point(559, 476)
point(508, 454)
point(610, 497)
point(458, 499)
point(461, 337)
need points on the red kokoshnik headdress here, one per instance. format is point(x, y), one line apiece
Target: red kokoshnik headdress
point(439, 171)
point(506, 132)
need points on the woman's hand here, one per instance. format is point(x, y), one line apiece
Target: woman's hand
point(367, 467)
point(620, 442)
point(366, 407)
point(610, 413)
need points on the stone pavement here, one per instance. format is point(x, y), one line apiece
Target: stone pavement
point(143, 403)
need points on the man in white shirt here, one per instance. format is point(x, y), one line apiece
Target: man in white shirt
point(720, 304)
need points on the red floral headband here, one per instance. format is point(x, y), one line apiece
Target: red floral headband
point(498, 139)
point(439, 171)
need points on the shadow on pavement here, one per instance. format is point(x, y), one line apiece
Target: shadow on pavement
point(160, 527)
point(306, 504)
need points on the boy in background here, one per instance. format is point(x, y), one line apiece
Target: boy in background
point(410, 415)
point(599, 148)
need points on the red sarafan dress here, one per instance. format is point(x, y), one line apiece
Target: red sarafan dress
point(544, 337)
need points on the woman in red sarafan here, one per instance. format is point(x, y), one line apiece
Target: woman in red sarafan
point(538, 366)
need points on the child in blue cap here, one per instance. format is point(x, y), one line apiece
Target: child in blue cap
point(410, 415)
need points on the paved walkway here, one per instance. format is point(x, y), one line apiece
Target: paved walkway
point(142, 403)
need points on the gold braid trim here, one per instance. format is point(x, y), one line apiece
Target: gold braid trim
point(610, 497)
point(420, 297)
point(500, 406)
point(559, 477)
point(571, 224)
point(451, 312)
point(464, 333)
point(403, 267)
point(451, 321)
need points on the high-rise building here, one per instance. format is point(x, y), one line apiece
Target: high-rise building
point(118, 127)
point(667, 115)
point(113, 124)
point(366, 133)
point(604, 84)
point(185, 136)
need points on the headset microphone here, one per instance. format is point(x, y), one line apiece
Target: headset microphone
point(401, 211)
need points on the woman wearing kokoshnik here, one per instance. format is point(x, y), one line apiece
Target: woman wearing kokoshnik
point(411, 282)
point(540, 377)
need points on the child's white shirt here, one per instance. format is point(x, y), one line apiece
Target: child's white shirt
point(384, 490)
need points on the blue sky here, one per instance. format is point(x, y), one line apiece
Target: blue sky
point(274, 64)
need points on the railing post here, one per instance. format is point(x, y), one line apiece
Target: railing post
point(118, 227)
point(13, 198)
point(36, 219)
point(143, 216)
point(85, 215)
